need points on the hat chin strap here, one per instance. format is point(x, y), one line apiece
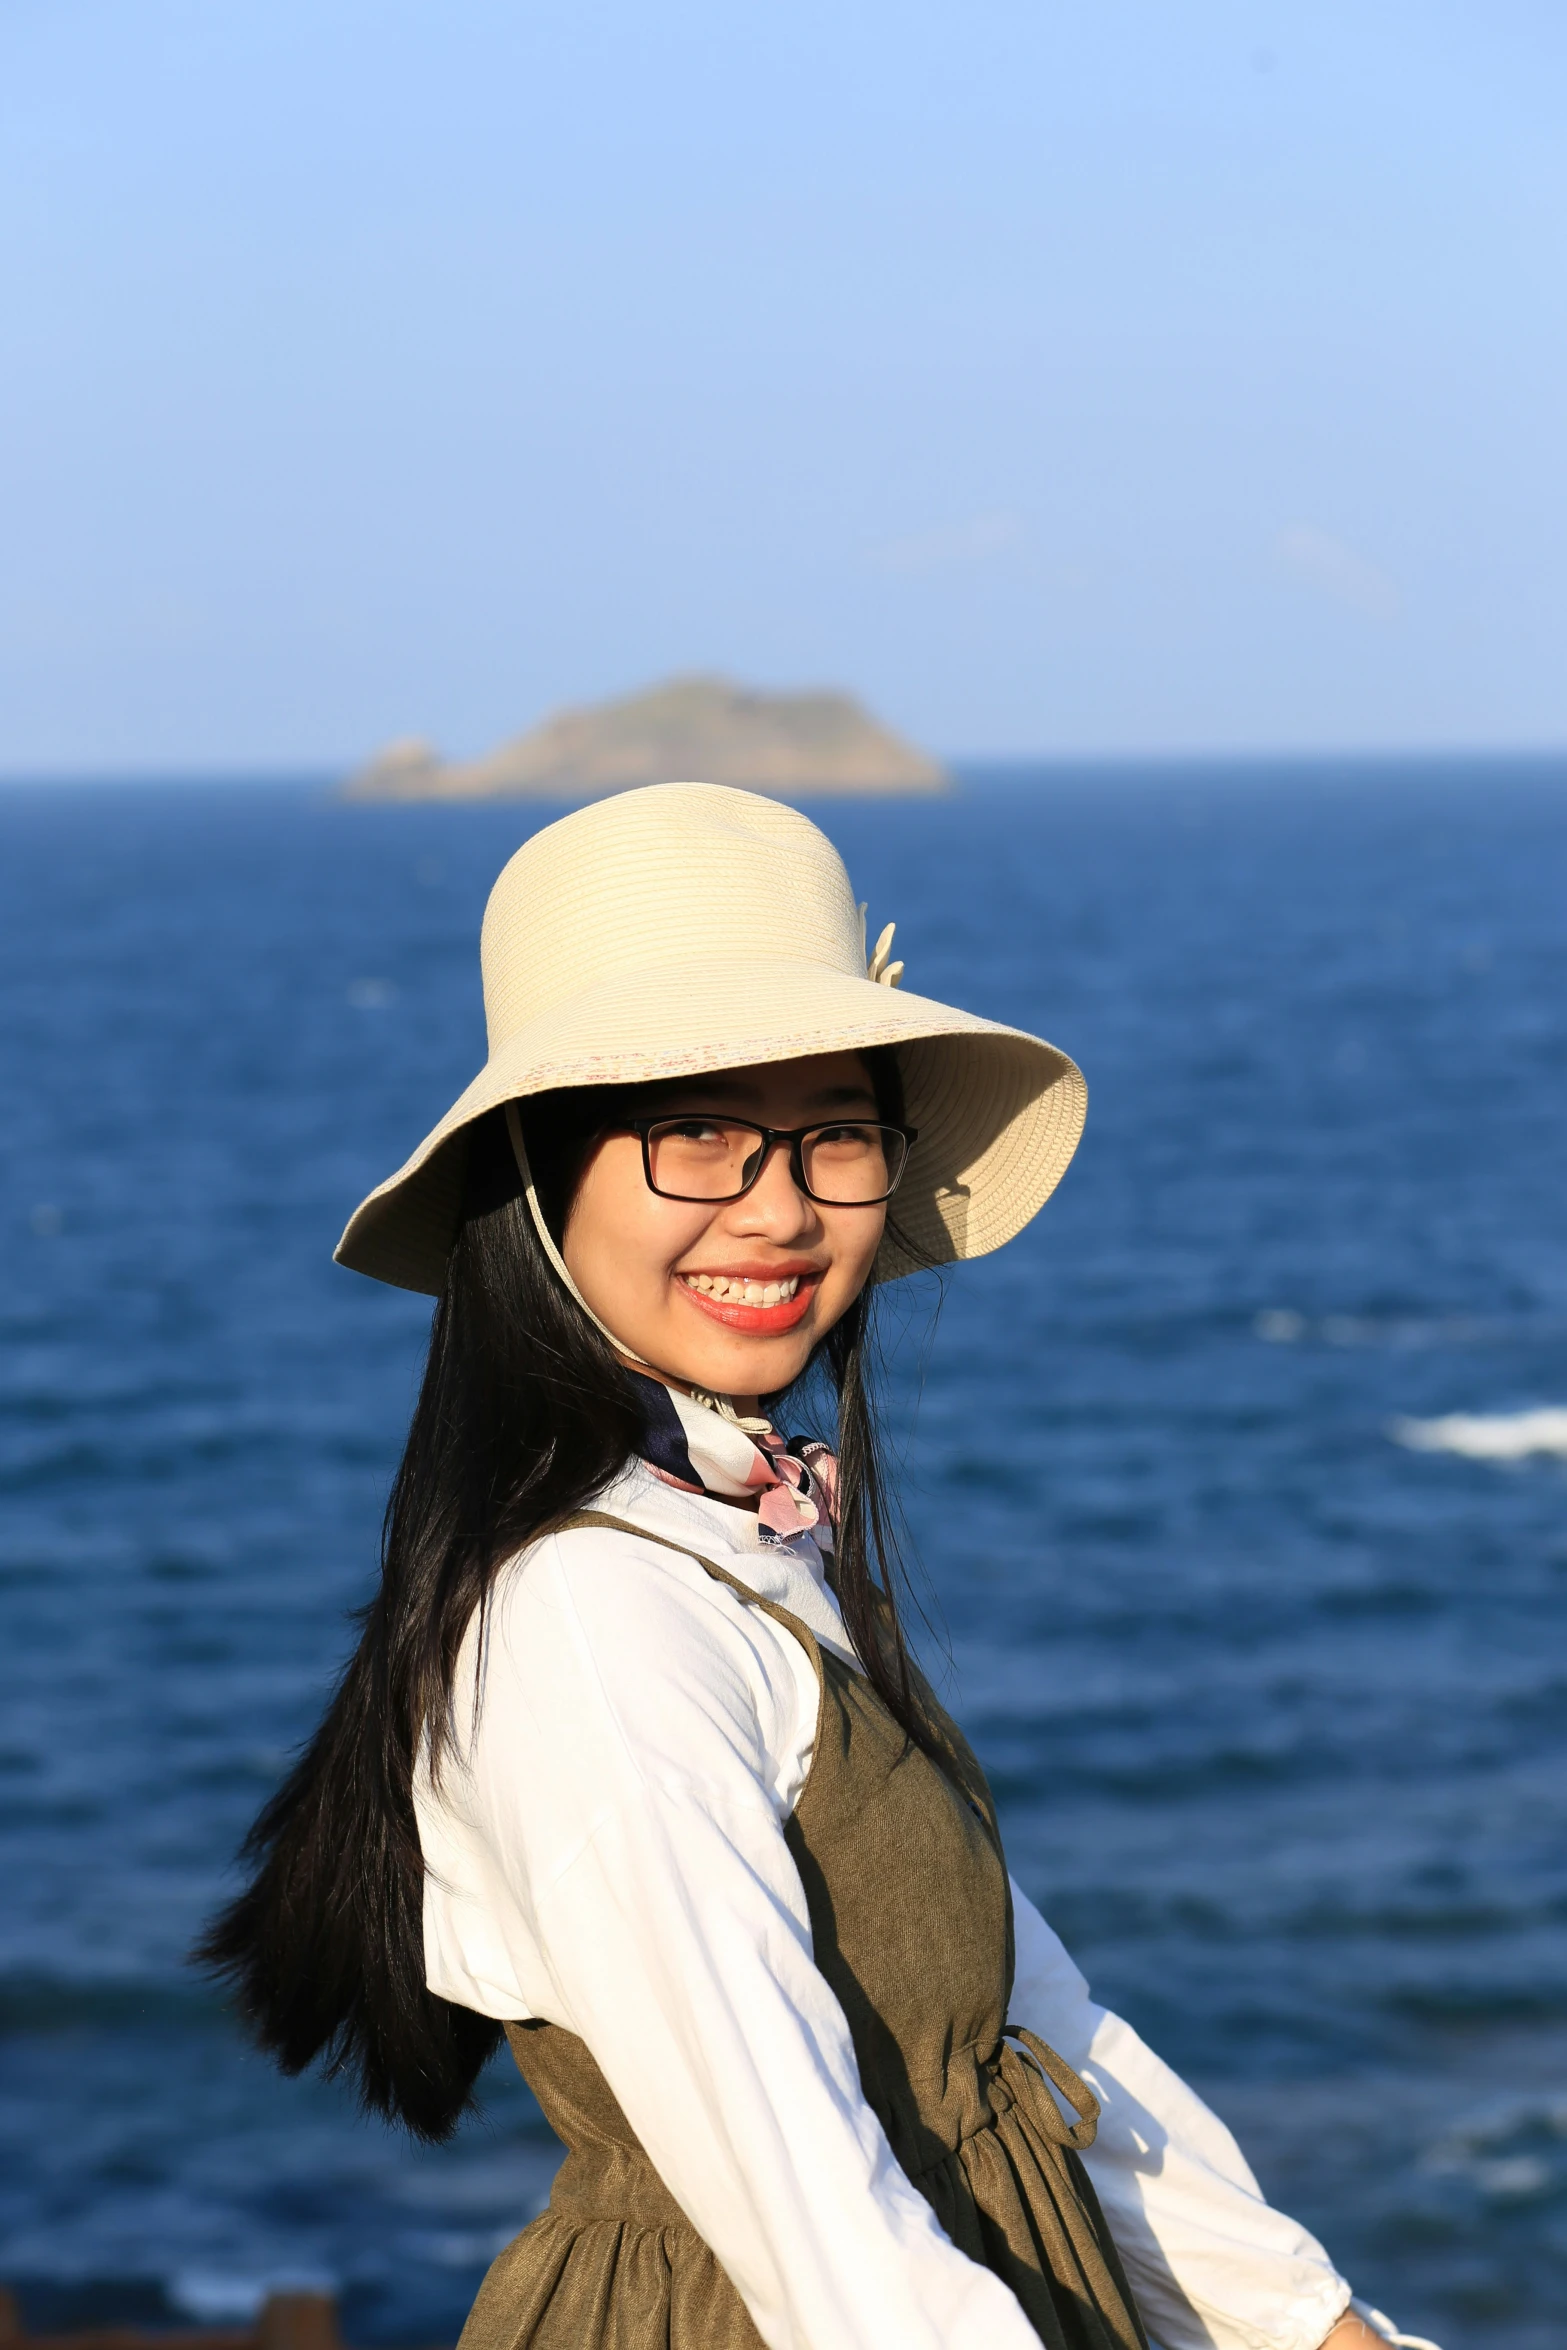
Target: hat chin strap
point(547, 1240)
point(715, 1403)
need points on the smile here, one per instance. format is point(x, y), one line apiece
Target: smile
point(750, 1305)
point(742, 1292)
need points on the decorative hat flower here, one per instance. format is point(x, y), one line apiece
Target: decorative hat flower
point(879, 966)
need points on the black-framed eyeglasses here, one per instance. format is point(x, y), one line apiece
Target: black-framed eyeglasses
point(842, 1163)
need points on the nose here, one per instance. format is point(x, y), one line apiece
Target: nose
point(775, 1208)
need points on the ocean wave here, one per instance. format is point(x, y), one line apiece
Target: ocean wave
point(217, 2297)
point(38, 2000)
point(1489, 1436)
point(1285, 1326)
point(1514, 2154)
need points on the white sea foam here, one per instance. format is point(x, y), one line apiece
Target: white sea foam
point(1488, 1436)
point(1284, 1326)
point(1515, 2154)
point(213, 2297)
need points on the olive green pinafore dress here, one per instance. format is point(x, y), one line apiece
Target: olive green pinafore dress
point(911, 1918)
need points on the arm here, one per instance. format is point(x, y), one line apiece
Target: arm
point(1213, 2265)
point(638, 1751)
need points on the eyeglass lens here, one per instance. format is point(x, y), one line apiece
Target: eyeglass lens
point(846, 1166)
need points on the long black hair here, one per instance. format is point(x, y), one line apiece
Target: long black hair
point(524, 1414)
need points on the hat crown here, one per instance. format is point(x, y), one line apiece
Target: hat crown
point(673, 873)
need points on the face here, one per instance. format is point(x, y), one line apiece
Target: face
point(639, 1258)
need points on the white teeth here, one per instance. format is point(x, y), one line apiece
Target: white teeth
point(739, 1291)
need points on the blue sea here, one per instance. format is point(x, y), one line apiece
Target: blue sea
point(1245, 1564)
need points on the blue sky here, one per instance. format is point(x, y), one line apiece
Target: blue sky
point(1105, 378)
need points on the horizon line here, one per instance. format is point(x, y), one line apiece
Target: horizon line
point(311, 775)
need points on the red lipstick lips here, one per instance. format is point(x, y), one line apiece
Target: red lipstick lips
point(761, 1321)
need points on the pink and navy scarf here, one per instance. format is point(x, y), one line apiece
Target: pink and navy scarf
point(698, 1449)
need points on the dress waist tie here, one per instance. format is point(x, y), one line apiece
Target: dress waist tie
point(1028, 2071)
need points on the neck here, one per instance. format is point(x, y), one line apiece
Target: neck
point(742, 1407)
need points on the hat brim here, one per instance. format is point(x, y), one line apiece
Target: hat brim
point(999, 1112)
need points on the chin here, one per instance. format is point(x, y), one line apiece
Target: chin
point(742, 1369)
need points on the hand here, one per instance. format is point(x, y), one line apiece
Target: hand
point(1353, 2333)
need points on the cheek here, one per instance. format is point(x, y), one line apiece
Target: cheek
point(855, 1236)
point(602, 1221)
point(617, 1230)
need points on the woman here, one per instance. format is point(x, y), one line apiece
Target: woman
point(631, 1762)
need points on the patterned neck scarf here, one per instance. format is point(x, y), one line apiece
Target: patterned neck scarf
point(698, 1449)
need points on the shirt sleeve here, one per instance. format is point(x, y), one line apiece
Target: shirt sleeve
point(1212, 2264)
point(632, 1762)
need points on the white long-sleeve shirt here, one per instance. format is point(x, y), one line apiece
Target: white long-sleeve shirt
point(606, 1852)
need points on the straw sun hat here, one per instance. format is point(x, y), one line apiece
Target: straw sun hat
point(688, 927)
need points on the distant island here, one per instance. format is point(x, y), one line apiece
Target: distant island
point(692, 729)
